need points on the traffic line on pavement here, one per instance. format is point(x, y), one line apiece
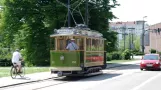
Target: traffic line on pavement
point(147, 81)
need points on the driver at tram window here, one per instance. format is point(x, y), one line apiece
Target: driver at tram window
point(72, 45)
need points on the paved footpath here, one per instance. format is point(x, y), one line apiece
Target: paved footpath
point(8, 81)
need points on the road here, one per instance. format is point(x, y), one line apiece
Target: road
point(120, 78)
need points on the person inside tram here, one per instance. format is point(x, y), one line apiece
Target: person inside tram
point(72, 45)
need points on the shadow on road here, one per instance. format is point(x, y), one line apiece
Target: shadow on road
point(111, 66)
point(89, 78)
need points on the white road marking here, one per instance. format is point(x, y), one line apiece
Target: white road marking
point(147, 81)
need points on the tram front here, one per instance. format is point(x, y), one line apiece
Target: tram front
point(66, 52)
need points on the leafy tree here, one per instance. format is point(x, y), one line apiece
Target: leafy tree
point(27, 24)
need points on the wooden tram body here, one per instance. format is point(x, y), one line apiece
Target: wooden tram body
point(89, 58)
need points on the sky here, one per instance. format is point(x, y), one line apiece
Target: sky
point(132, 10)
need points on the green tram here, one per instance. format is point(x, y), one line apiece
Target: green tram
point(89, 59)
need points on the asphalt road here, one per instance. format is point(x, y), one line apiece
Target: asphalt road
point(120, 78)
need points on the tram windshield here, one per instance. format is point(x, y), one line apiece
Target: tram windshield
point(61, 42)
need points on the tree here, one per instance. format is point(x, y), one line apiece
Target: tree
point(27, 24)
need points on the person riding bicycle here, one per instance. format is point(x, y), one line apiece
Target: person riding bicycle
point(16, 59)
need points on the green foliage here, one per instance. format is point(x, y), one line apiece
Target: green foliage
point(99, 20)
point(153, 51)
point(108, 57)
point(27, 24)
point(126, 54)
point(116, 55)
point(137, 52)
point(136, 42)
point(5, 54)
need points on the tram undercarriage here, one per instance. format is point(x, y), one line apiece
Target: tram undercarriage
point(84, 72)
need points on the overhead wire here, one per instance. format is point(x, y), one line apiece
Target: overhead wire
point(73, 9)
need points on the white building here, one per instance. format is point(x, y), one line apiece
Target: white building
point(129, 27)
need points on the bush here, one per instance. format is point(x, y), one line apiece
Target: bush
point(136, 52)
point(5, 62)
point(108, 57)
point(153, 51)
point(126, 54)
point(116, 55)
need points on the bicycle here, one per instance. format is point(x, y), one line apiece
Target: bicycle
point(14, 72)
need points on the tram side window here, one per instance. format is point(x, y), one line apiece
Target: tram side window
point(79, 42)
point(88, 43)
point(52, 43)
point(61, 44)
point(95, 44)
point(101, 47)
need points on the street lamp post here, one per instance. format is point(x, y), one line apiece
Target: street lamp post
point(143, 32)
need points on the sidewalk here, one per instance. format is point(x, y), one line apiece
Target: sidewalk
point(8, 81)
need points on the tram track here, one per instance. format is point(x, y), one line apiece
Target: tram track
point(57, 80)
point(63, 81)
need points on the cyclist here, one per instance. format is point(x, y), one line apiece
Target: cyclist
point(16, 59)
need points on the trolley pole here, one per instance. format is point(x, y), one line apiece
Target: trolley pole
point(69, 13)
point(86, 13)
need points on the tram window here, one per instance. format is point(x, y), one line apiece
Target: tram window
point(52, 43)
point(88, 43)
point(79, 42)
point(63, 41)
point(61, 44)
point(95, 45)
point(101, 47)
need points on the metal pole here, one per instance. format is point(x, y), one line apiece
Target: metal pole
point(69, 13)
point(129, 39)
point(86, 13)
point(150, 41)
point(124, 41)
point(124, 29)
point(156, 42)
point(143, 32)
point(133, 39)
point(143, 37)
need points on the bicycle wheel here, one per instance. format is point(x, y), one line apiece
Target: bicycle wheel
point(22, 74)
point(13, 72)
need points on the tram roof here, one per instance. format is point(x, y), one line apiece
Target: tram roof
point(73, 31)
